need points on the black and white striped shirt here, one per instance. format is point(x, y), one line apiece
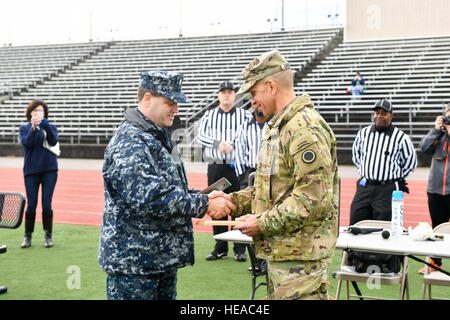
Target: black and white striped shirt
point(383, 156)
point(248, 142)
point(216, 126)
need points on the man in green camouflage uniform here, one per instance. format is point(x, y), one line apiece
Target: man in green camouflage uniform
point(294, 200)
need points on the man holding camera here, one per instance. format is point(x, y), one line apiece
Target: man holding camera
point(437, 143)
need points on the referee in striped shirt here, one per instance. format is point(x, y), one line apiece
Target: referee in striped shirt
point(384, 156)
point(217, 134)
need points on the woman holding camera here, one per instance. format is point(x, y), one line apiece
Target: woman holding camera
point(437, 143)
point(40, 168)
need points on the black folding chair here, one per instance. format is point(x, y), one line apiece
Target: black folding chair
point(12, 205)
point(251, 252)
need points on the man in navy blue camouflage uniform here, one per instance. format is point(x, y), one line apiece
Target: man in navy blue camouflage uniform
point(146, 232)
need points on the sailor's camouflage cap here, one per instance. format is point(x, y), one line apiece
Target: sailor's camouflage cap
point(165, 83)
point(261, 67)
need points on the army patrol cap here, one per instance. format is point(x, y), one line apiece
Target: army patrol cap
point(265, 65)
point(165, 83)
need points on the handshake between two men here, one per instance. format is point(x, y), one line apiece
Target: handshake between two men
point(220, 205)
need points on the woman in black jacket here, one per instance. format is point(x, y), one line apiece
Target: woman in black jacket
point(40, 167)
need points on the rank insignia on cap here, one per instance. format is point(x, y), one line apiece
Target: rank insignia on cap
point(309, 156)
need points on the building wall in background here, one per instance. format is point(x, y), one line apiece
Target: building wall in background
point(396, 19)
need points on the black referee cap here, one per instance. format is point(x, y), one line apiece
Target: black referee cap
point(226, 85)
point(383, 104)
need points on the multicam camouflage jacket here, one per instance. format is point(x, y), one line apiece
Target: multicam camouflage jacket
point(146, 226)
point(296, 190)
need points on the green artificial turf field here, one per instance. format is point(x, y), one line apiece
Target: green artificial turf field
point(70, 270)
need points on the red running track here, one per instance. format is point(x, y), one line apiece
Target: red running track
point(78, 197)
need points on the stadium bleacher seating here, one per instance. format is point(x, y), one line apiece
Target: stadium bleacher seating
point(87, 99)
point(88, 85)
point(24, 66)
point(412, 73)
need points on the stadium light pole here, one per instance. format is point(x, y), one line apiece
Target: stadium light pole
point(9, 4)
point(90, 21)
point(333, 19)
point(282, 15)
point(271, 22)
point(306, 14)
point(181, 18)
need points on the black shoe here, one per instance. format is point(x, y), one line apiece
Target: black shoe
point(240, 257)
point(48, 240)
point(26, 241)
point(216, 256)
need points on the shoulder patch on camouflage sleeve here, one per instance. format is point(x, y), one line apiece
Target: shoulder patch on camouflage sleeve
point(309, 156)
point(301, 144)
point(306, 157)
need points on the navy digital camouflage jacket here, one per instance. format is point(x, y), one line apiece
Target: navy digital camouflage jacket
point(146, 226)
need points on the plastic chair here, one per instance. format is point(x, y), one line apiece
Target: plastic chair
point(12, 205)
point(348, 276)
point(435, 278)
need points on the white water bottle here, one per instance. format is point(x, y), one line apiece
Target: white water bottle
point(397, 213)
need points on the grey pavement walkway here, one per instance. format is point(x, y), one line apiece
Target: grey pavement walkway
point(345, 171)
